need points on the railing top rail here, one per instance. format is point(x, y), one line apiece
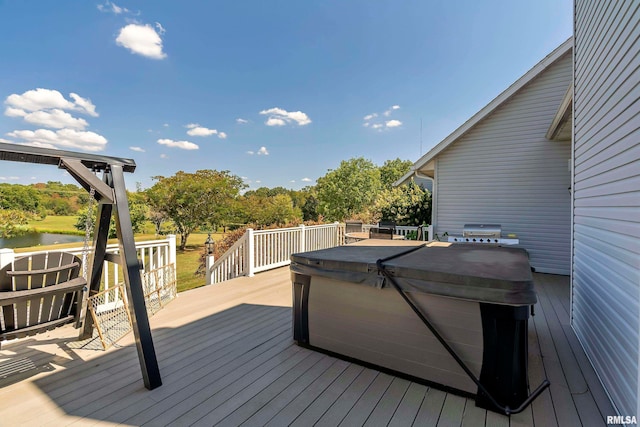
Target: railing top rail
point(276, 230)
point(241, 241)
point(110, 248)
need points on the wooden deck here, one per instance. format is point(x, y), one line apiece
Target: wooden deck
point(227, 358)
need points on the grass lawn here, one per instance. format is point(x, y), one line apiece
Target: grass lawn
point(186, 261)
point(56, 224)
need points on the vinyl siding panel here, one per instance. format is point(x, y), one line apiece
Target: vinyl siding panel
point(606, 205)
point(504, 171)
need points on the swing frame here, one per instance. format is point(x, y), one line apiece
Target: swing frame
point(110, 192)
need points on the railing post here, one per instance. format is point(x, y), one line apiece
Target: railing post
point(6, 256)
point(251, 253)
point(172, 248)
point(430, 232)
point(209, 260)
point(339, 235)
point(303, 238)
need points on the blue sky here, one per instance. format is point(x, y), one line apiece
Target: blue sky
point(276, 92)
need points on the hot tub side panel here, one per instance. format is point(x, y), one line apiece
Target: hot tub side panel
point(378, 327)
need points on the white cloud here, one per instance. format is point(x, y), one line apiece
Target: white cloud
point(306, 180)
point(241, 121)
point(39, 99)
point(371, 122)
point(258, 181)
point(63, 138)
point(292, 181)
point(280, 117)
point(274, 121)
point(84, 105)
point(390, 110)
point(164, 156)
point(138, 149)
point(44, 99)
point(165, 125)
point(196, 130)
point(160, 28)
point(185, 145)
point(201, 131)
point(111, 7)
point(141, 39)
point(9, 178)
point(55, 118)
point(261, 152)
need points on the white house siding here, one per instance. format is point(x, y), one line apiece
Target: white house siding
point(606, 213)
point(504, 171)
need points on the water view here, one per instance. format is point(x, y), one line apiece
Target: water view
point(35, 239)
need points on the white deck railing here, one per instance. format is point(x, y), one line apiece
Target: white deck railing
point(260, 250)
point(153, 254)
point(109, 306)
point(404, 230)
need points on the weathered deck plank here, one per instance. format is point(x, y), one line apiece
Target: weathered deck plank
point(227, 357)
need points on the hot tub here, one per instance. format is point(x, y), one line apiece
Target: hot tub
point(476, 298)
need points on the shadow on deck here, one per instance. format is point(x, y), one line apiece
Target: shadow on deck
point(227, 357)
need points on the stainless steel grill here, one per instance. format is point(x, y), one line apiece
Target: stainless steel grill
point(493, 231)
point(483, 233)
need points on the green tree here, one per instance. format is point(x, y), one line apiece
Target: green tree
point(310, 209)
point(19, 197)
point(137, 211)
point(348, 190)
point(393, 170)
point(408, 204)
point(192, 200)
point(13, 222)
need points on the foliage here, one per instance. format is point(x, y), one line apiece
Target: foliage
point(51, 198)
point(267, 210)
point(192, 200)
point(137, 212)
point(13, 222)
point(408, 204)
point(393, 170)
point(19, 198)
point(310, 209)
point(348, 190)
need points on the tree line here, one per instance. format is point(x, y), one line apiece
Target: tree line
point(209, 199)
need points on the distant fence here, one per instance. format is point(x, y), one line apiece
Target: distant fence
point(260, 250)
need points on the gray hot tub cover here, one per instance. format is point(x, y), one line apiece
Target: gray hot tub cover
point(491, 274)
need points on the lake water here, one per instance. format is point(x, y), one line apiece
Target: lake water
point(35, 239)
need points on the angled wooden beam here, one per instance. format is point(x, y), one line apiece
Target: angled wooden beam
point(87, 179)
point(133, 282)
point(49, 156)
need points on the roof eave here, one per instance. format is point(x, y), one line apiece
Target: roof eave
point(495, 103)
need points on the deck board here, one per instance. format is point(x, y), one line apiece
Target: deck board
point(227, 357)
